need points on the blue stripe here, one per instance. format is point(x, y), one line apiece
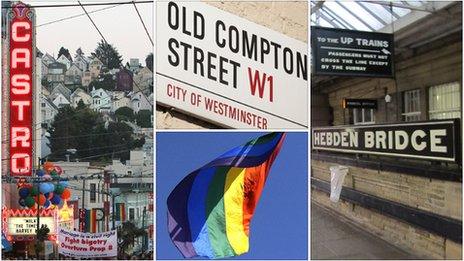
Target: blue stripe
point(197, 212)
point(254, 150)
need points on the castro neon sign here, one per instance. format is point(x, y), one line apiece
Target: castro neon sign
point(21, 92)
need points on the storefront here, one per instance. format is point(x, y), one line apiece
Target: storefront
point(411, 201)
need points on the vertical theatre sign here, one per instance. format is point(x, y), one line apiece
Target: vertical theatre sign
point(21, 89)
point(228, 70)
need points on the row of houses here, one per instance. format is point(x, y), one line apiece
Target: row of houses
point(100, 100)
point(82, 70)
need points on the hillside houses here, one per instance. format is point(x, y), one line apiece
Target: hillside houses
point(85, 80)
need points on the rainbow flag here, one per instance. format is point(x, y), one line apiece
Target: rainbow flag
point(91, 220)
point(120, 212)
point(210, 210)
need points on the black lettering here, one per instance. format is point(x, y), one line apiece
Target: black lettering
point(174, 58)
point(220, 43)
point(173, 7)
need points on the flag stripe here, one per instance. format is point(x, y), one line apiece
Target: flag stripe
point(233, 203)
point(197, 212)
point(215, 213)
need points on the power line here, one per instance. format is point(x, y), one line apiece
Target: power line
point(86, 4)
point(92, 22)
point(141, 20)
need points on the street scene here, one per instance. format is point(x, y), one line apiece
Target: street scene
point(77, 137)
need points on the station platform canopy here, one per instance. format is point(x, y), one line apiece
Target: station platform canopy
point(374, 16)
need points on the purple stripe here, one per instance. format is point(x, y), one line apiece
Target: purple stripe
point(178, 223)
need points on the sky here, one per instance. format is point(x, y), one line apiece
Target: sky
point(279, 227)
point(120, 26)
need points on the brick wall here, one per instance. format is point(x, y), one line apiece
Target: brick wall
point(436, 196)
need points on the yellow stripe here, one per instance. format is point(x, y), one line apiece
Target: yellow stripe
point(233, 205)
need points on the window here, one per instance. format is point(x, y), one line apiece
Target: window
point(445, 101)
point(363, 116)
point(43, 104)
point(412, 105)
point(131, 214)
point(93, 192)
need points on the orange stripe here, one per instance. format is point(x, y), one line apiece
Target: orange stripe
point(255, 178)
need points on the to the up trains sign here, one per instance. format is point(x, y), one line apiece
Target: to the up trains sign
point(21, 90)
point(432, 140)
point(351, 53)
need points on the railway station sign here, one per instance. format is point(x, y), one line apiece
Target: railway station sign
point(432, 140)
point(228, 70)
point(341, 52)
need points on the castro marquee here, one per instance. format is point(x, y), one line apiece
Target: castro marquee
point(21, 64)
point(225, 69)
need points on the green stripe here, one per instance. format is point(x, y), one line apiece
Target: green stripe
point(216, 217)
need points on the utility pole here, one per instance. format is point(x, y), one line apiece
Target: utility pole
point(82, 205)
point(145, 237)
point(38, 222)
point(114, 209)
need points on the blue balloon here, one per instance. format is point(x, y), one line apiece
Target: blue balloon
point(40, 173)
point(56, 200)
point(47, 203)
point(44, 188)
point(23, 192)
point(64, 183)
point(51, 187)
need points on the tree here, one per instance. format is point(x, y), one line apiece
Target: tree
point(65, 52)
point(125, 114)
point(108, 55)
point(105, 81)
point(79, 52)
point(149, 61)
point(144, 118)
point(42, 234)
point(127, 233)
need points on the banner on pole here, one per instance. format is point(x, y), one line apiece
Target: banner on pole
point(87, 245)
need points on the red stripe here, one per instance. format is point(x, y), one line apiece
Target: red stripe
point(94, 221)
point(255, 178)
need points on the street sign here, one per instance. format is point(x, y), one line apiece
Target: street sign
point(225, 69)
point(21, 89)
point(431, 140)
point(343, 52)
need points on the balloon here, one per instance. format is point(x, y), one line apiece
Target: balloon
point(56, 200)
point(58, 170)
point(47, 177)
point(61, 204)
point(41, 199)
point(22, 202)
point(53, 172)
point(44, 187)
point(51, 187)
point(48, 166)
point(29, 201)
point(59, 189)
point(65, 184)
point(47, 203)
point(66, 194)
point(34, 191)
point(49, 195)
point(40, 173)
point(24, 192)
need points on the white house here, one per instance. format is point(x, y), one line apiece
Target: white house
point(101, 100)
point(95, 67)
point(73, 75)
point(48, 59)
point(140, 102)
point(119, 100)
point(86, 78)
point(44, 69)
point(81, 60)
point(80, 95)
point(64, 60)
point(60, 95)
point(48, 110)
